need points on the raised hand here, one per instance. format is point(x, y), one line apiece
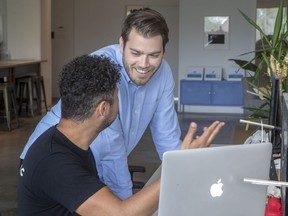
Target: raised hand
point(208, 135)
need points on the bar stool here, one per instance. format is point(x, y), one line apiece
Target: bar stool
point(40, 91)
point(7, 89)
point(30, 85)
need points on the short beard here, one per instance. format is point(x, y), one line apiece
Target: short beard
point(131, 78)
point(108, 121)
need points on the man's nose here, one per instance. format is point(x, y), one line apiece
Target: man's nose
point(144, 61)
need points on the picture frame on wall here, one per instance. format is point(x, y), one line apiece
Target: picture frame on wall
point(216, 32)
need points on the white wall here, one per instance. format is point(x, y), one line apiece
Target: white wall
point(191, 35)
point(24, 29)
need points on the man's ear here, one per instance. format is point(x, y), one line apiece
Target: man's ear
point(121, 43)
point(103, 108)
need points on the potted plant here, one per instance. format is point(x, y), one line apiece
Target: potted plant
point(272, 56)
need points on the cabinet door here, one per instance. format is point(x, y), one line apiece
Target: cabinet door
point(195, 92)
point(227, 93)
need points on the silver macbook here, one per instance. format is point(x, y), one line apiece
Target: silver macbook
point(210, 181)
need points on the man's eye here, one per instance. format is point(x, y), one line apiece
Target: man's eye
point(135, 54)
point(155, 56)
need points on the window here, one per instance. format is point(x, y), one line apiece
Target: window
point(266, 19)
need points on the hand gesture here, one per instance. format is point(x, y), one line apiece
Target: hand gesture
point(208, 135)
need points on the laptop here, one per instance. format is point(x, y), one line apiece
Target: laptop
point(210, 181)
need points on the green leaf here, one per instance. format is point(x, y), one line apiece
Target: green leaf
point(254, 24)
point(247, 65)
point(278, 24)
point(275, 45)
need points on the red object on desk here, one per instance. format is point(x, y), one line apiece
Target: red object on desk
point(273, 207)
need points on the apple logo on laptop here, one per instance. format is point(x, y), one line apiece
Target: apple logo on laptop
point(216, 189)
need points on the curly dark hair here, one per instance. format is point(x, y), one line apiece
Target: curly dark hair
point(147, 22)
point(84, 83)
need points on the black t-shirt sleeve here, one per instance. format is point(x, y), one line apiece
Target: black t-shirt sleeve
point(66, 181)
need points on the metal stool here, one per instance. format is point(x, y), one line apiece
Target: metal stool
point(9, 102)
point(31, 85)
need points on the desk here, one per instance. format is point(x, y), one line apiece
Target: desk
point(11, 69)
point(15, 68)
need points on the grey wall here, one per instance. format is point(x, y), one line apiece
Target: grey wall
point(24, 29)
point(27, 26)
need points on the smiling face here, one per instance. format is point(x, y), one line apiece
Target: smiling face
point(141, 56)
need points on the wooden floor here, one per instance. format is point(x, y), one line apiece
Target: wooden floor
point(12, 143)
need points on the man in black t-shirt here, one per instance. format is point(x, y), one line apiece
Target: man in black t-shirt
point(58, 175)
point(61, 174)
